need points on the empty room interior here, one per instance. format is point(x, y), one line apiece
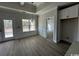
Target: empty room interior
point(39, 28)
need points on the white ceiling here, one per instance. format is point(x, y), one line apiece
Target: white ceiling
point(36, 3)
point(47, 6)
point(41, 6)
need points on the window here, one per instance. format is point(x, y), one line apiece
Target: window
point(32, 25)
point(28, 25)
point(8, 29)
point(25, 24)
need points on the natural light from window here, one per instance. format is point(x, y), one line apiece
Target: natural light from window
point(25, 25)
point(8, 29)
point(28, 25)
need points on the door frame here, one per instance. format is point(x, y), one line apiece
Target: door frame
point(47, 26)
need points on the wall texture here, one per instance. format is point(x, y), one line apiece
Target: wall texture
point(17, 21)
point(78, 30)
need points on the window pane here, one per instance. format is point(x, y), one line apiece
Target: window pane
point(32, 28)
point(32, 22)
point(25, 28)
point(25, 24)
point(32, 25)
point(8, 29)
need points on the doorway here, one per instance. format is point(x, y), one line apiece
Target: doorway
point(69, 28)
point(50, 28)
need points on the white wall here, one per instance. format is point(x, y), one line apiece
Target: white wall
point(78, 31)
point(17, 21)
point(42, 23)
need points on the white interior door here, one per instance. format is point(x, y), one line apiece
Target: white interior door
point(50, 28)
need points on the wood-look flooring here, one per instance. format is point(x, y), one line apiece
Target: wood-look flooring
point(32, 46)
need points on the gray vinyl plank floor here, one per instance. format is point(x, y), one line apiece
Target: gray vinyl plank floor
point(32, 46)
